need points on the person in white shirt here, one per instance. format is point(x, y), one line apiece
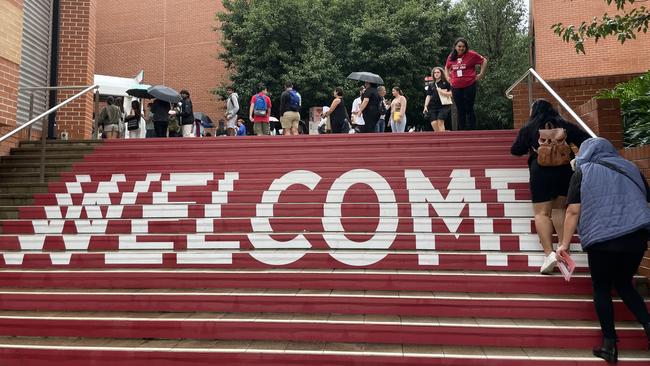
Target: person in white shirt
point(357, 119)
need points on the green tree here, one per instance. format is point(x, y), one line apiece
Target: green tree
point(316, 44)
point(494, 28)
point(623, 26)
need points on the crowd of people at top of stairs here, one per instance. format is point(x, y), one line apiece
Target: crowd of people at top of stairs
point(601, 195)
point(455, 83)
point(160, 120)
point(372, 111)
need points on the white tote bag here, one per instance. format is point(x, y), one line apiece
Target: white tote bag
point(444, 100)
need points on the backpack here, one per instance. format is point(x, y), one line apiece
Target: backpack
point(553, 149)
point(260, 107)
point(295, 100)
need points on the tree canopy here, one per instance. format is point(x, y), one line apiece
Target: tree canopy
point(317, 43)
point(495, 29)
point(623, 26)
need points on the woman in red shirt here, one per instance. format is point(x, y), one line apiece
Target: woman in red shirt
point(460, 70)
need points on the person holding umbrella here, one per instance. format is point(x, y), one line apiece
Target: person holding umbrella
point(160, 115)
point(161, 106)
point(370, 108)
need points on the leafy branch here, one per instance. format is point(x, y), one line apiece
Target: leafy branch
point(623, 26)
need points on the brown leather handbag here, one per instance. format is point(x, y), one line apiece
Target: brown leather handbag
point(553, 149)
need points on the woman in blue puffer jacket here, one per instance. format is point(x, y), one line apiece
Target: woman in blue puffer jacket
point(608, 204)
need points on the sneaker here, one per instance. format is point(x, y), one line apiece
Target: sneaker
point(549, 264)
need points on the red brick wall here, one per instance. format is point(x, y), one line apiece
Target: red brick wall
point(10, 46)
point(558, 60)
point(8, 96)
point(171, 40)
point(603, 116)
point(76, 65)
point(575, 92)
point(641, 157)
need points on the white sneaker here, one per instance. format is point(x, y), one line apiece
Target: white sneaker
point(549, 264)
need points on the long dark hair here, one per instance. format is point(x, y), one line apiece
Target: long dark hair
point(454, 54)
point(542, 112)
point(135, 106)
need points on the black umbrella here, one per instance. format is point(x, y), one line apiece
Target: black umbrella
point(206, 122)
point(140, 93)
point(165, 93)
point(366, 76)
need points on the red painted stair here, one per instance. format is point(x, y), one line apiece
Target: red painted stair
point(382, 249)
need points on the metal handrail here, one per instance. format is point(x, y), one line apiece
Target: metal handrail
point(34, 89)
point(49, 111)
point(68, 87)
point(548, 88)
point(46, 113)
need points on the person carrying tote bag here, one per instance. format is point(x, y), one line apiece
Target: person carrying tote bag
point(437, 105)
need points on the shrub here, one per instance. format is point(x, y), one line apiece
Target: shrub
point(635, 109)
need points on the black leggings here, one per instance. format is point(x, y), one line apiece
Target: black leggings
point(615, 269)
point(464, 100)
point(160, 127)
point(370, 119)
point(336, 125)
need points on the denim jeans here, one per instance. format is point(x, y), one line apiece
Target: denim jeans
point(381, 126)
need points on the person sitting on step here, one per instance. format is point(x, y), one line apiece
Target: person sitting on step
point(548, 184)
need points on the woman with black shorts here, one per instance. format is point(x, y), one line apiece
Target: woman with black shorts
point(437, 105)
point(548, 185)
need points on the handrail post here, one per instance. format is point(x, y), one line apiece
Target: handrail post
point(95, 113)
point(41, 167)
point(530, 90)
point(31, 115)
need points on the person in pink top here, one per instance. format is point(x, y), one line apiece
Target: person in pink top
point(460, 70)
point(260, 111)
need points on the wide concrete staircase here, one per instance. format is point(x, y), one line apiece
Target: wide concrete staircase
point(409, 249)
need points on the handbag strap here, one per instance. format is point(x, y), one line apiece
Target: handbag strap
point(618, 170)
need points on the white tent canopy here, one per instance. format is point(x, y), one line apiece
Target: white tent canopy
point(117, 86)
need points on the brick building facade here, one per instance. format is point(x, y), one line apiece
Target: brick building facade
point(577, 77)
point(77, 65)
point(173, 41)
point(11, 27)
